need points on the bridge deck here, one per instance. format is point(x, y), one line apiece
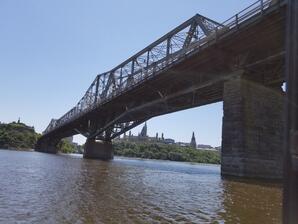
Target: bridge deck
point(253, 48)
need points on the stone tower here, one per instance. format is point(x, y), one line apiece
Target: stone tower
point(193, 142)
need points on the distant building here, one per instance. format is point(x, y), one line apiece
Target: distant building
point(201, 146)
point(169, 141)
point(183, 144)
point(143, 137)
point(193, 142)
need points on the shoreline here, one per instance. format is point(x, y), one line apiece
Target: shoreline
point(163, 160)
point(18, 150)
point(118, 156)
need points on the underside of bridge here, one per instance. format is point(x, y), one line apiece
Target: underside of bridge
point(240, 64)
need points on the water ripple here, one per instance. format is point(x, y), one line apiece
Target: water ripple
point(41, 188)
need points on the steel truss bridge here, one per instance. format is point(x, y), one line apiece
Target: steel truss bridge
point(183, 69)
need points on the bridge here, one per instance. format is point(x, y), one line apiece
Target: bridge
point(240, 61)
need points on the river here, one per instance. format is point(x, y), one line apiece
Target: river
point(43, 188)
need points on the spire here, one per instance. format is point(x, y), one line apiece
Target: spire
point(193, 142)
point(144, 131)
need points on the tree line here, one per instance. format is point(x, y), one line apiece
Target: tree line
point(165, 152)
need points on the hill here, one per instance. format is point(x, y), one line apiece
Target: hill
point(17, 136)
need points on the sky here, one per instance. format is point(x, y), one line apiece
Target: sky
point(51, 51)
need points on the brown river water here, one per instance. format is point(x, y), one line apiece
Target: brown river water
point(43, 188)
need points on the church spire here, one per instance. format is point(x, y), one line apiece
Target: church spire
point(144, 131)
point(193, 142)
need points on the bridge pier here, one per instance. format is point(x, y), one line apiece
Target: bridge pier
point(47, 145)
point(98, 150)
point(253, 130)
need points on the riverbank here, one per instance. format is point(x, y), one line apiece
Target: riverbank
point(21, 137)
point(19, 149)
point(160, 151)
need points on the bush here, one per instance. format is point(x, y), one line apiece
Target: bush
point(65, 146)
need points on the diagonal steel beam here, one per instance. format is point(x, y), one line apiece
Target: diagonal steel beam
point(190, 35)
point(125, 129)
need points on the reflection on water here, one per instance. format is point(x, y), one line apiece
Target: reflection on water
point(42, 188)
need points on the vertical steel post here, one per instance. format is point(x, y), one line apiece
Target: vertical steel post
point(290, 202)
point(132, 67)
point(96, 89)
point(121, 77)
point(148, 58)
point(168, 50)
point(168, 46)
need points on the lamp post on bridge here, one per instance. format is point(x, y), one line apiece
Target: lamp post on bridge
point(290, 201)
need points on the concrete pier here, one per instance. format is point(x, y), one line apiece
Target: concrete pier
point(98, 150)
point(47, 145)
point(253, 129)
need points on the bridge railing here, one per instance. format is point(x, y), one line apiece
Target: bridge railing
point(186, 39)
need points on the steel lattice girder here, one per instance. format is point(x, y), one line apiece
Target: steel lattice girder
point(158, 56)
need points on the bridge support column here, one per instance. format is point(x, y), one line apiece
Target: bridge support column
point(47, 145)
point(98, 150)
point(253, 130)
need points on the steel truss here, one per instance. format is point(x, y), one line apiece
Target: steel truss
point(170, 49)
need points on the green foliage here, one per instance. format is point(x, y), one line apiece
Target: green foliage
point(65, 146)
point(17, 136)
point(166, 152)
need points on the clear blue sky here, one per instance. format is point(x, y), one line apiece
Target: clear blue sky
point(51, 50)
